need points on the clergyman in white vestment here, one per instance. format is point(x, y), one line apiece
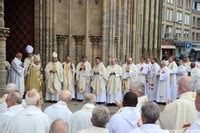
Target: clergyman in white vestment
point(68, 76)
point(54, 78)
point(83, 75)
point(130, 73)
point(8, 89)
point(60, 109)
point(195, 74)
point(100, 117)
point(31, 119)
point(138, 88)
point(149, 113)
point(14, 106)
point(163, 90)
point(181, 71)
point(99, 80)
point(127, 118)
point(173, 81)
point(114, 91)
point(181, 111)
point(195, 127)
point(143, 71)
point(16, 74)
point(29, 59)
point(81, 119)
point(153, 80)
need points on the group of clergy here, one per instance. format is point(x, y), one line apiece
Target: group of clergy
point(108, 84)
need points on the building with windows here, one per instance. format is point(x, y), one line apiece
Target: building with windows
point(196, 27)
point(176, 27)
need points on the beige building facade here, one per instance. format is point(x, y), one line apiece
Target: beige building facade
point(180, 26)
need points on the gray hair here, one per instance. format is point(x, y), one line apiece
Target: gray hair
point(151, 112)
point(100, 116)
point(89, 98)
point(137, 85)
point(15, 96)
point(65, 96)
point(58, 126)
point(10, 87)
point(32, 97)
point(186, 82)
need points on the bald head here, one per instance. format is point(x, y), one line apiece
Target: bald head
point(59, 126)
point(137, 87)
point(10, 88)
point(19, 56)
point(13, 98)
point(89, 98)
point(65, 96)
point(129, 61)
point(113, 61)
point(33, 98)
point(185, 84)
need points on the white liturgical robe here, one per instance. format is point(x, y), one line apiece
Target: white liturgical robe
point(153, 82)
point(149, 128)
point(29, 120)
point(83, 74)
point(142, 74)
point(125, 120)
point(16, 75)
point(173, 81)
point(130, 74)
point(98, 83)
point(195, 128)
point(68, 77)
point(3, 104)
point(6, 116)
point(195, 74)
point(163, 90)
point(114, 91)
point(53, 80)
point(59, 110)
point(179, 112)
point(81, 119)
point(181, 71)
point(94, 129)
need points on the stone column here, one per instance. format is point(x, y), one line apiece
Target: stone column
point(3, 34)
point(96, 41)
point(105, 26)
point(79, 43)
point(60, 43)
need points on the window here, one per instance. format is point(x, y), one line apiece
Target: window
point(170, 1)
point(187, 19)
point(169, 14)
point(179, 16)
point(198, 36)
point(187, 4)
point(193, 36)
point(168, 29)
point(179, 3)
point(186, 34)
point(193, 21)
point(178, 33)
point(198, 22)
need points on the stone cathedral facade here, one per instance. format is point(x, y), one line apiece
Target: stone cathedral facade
point(105, 28)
